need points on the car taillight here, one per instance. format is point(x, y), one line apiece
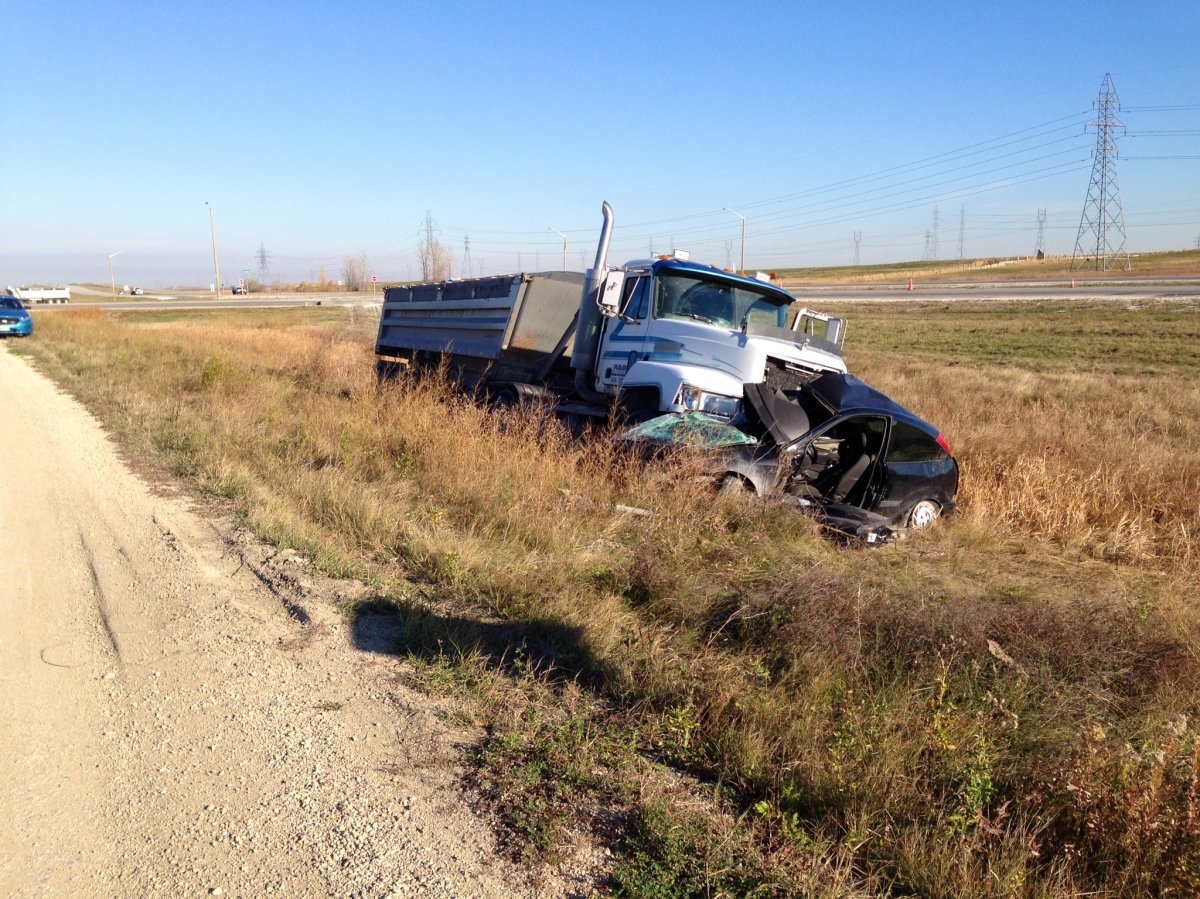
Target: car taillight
point(941, 440)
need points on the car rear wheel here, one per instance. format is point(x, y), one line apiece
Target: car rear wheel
point(923, 514)
point(736, 485)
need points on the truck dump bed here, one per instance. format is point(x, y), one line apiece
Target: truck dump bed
point(507, 325)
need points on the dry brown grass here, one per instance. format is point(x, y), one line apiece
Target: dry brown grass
point(1107, 465)
point(922, 719)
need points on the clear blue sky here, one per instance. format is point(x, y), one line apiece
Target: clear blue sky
point(323, 130)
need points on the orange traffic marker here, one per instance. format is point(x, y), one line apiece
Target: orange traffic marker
point(910, 283)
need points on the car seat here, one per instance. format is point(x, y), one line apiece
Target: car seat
point(853, 461)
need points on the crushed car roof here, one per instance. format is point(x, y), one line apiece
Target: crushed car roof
point(845, 393)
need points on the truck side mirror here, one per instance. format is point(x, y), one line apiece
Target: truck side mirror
point(609, 300)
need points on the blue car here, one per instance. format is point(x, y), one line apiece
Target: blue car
point(14, 320)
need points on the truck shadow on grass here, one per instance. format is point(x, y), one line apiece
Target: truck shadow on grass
point(547, 649)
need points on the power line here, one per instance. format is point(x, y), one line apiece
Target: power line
point(1182, 108)
point(957, 173)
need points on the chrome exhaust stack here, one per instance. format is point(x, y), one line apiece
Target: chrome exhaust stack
point(587, 328)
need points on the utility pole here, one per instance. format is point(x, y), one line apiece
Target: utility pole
point(111, 276)
point(564, 237)
point(742, 267)
point(212, 224)
point(1100, 243)
point(857, 246)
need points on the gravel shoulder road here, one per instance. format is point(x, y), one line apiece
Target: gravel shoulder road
point(169, 727)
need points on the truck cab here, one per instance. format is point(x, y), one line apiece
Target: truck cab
point(680, 336)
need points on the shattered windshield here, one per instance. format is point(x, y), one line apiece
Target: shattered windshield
point(680, 294)
point(690, 429)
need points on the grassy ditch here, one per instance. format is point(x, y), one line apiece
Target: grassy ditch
point(1006, 706)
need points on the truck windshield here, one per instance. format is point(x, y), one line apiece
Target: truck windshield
point(679, 294)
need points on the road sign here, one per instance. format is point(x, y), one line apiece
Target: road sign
point(374, 280)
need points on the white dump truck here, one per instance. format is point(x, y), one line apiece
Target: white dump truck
point(650, 336)
point(29, 295)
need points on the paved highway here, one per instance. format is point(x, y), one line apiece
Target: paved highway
point(156, 303)
point(1023, 291)
point(1115, 290)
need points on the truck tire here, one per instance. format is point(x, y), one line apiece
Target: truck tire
point(504, 397)
point(638, 405)
point(386, 370)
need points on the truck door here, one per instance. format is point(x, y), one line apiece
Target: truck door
point(624, 337)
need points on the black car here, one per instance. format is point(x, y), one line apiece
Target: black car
point(834, 445)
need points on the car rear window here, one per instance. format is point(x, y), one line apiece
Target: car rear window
point(911, 444)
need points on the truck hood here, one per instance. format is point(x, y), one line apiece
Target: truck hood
point(800, 349)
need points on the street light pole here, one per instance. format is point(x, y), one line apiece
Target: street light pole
point(743, 218)
point(564, 237)
point(111, 276)
point(212, 224)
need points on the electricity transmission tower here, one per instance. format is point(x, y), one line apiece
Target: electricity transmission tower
point(932, 244)
point(1040, 249)
point(857, 246)
point(264, 263)
point(1101, 240)
point(962, 229)
point(467, 270)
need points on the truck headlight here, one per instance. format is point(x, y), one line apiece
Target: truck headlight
point(695, 399)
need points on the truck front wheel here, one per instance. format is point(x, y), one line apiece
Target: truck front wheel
point(638, 404)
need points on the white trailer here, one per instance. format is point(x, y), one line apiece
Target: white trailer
point(54, 295)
